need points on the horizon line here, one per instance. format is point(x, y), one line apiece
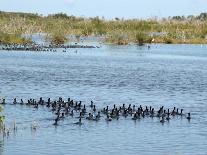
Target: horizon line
point(100, 17)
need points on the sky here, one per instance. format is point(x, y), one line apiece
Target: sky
point(108, 8)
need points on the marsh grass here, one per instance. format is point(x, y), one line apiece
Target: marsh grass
point(6, 38)
point(1, 118)
point(141, 38)
point(57, 38)
point(179, 29)
point(117, 38)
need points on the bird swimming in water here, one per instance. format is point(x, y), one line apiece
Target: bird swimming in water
point(79, 122)
point(108, 118)
point(163, 119)
point(62, 109)
point(188, 117)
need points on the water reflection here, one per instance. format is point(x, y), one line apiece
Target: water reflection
point(1, 146)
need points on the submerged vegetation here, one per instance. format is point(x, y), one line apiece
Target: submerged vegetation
point(177, 29)
point(1, 117)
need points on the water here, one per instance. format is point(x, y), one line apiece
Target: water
point(169, 75)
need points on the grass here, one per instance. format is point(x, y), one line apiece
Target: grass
point(141, 38)
point(178, 29)
point(6, 38)
point(57, 38)
point(117, 38)
point(1, 118)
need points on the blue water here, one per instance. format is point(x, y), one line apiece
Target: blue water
point(169, 75)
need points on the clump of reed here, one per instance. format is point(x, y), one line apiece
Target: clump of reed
point(57, 38)
point(116, 38)
point(6, 38)
point(167, 40)
point(1, 118)
point(141, 38)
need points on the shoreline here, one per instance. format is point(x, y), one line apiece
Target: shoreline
point(27, 41)
point(64, 48)
point(57, 28)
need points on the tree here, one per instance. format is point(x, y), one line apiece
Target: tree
point(202, 16)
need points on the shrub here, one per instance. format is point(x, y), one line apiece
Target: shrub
point(58, 38)
point(141, 38)
point(13, 38)
point(167, 40)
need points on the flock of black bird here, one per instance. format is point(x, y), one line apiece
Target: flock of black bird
point(40, 47)
point(62, 109)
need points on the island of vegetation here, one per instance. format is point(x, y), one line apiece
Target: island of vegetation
point(171, 30)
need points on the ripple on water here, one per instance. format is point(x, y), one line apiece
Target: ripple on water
point(169, 75)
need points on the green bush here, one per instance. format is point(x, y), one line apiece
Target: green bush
point(13, 38)
point(140, 38)
point(167, 40)
point(58, 39)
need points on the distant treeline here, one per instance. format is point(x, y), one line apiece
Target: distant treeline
point(176, 29)
point(201, 17)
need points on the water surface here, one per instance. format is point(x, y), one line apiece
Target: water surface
point(169, 75)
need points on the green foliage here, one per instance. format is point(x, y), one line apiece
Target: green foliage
point(141, 38)
point(1, 108)
point(203, 33)
point(118, 39)
point(87, 31)
point(98, 26)
point(167, 40)
point(202, 16)
point(12, 38)
point(178, 18)
point(60, 15)
point(58, 38)
point(135, 30)
point(1, 117)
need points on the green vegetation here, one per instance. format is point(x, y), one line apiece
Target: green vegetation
point(177, 29)
point(6, 38)
point(141, 38)
point(119, 39)
point(57, 39)
point(1, 117)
